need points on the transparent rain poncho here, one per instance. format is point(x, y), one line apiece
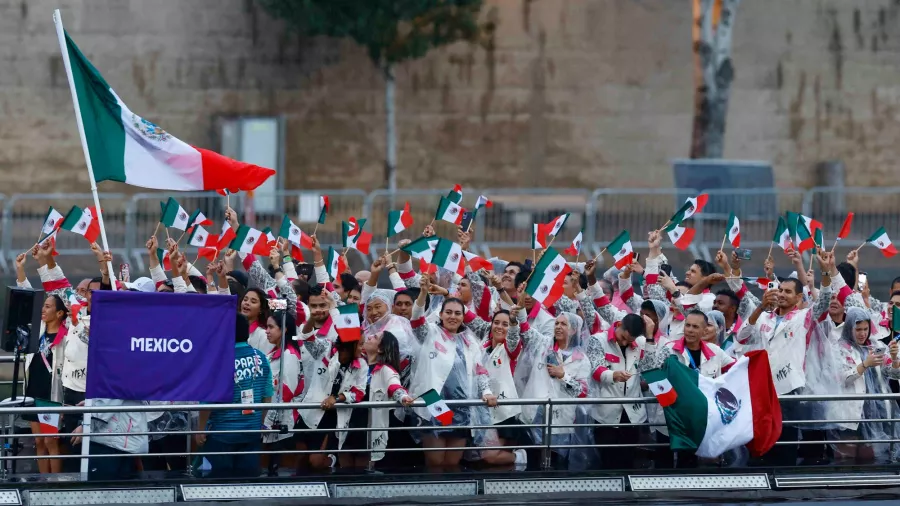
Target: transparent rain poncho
point(875, 381)
point(547, 351)
point(459, 357)
point(397, 325)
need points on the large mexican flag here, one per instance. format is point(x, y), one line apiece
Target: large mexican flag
point(712, 416)
point(125, 147)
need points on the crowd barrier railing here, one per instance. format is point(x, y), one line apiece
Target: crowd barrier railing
point(601, 213)
point(547, 446)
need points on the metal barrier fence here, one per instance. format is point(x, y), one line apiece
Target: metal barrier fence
point(602, 214)
point(546, 427)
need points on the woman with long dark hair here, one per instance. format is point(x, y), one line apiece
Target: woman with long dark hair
point(255, 306)
point(382, 352)
point(286, 380)
point(449, 364)
point(41, 376)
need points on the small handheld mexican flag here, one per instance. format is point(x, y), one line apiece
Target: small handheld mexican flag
point(250, 240)
point(49, 422)
point(398, 221)
point(712, 416)
point(782, 235)
point(228, 234)
point(422, 248)
point(881, 241)
point(52, 222)
point(82, 222)
point(800, 233)
point(681, 236)
point(556, 224)
point(733, 232)
point(692, 206)
point(325, 206)
point(290, 231)
point(620, 248)
point(449, 255)
point(819, 238)
point(336, 264)
point(163, 256)
point(200, 238)
point(449, 211)
point(845, 228)
point(198, 218)
point(575, 248)
point(483, 202)
point(762, 282)
point(174, 216)
point(353, 236)
point(538, 236)
point(477, 263)
point(347, 324)
point(437, 407)
point(547, 279)
point(455, 194)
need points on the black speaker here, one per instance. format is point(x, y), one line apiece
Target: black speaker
point(23, 320)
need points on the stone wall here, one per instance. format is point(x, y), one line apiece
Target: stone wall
point(575, 92)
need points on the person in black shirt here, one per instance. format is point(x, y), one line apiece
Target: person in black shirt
point(40, 377)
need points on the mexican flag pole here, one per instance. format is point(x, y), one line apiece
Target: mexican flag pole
point(61, 35)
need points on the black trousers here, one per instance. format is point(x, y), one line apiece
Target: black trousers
point(122, 467)
point(617, 458)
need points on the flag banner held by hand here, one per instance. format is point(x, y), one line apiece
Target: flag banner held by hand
point(881, 241)
point(692, 206)
point(82, 222)
point(324, 207)
point(733, 232)
point(548, 277)
point(845, 228)
point(782, 235)
point(52, 221)
point(127, 148)
point(449, 211)
point(49, 422)
point(174, 216)
point(575, 248)
point(449, 255)
point(250, 240)
point(621, 250)
point(538, 236)
point(290, 231)
point(556, 224)
point(711, 416)
point(483, 202)
point(398, 221)
point(437, 407)
point(455, 194)
point(347, 324)
point(681, 236)
point(422, 248)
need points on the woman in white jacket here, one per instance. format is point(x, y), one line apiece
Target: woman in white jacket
point(450, 363)
point(383, 356)
point(286, 380)
point(560, 369)
point(255, 306)
point(867, 365)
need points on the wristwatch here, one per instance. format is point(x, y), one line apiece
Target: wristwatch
point(676, 294)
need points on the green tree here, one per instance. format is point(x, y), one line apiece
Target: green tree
point(391, 31)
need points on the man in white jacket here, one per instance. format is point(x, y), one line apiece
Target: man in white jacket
point(779, 326)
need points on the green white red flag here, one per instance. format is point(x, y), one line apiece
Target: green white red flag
point(82, 222)
point(548, 278)
point(733, 232)
point(228, 234)
point(200, 238)
point(398, 221)
point(449, 255)
point(845, 228)
point(455, 194)
point(162, 255)
point(881, 241)
point(680, 235)
point(476, 263)
point(483, 202)
point(250, 240)
point(422, 248)
point(324, 207)
point(354, 237)
point(575, 248)
point(127, 148)
point(556, 224)
point(347, 324)
point(782, 235)
point(335, 263)
point(174, 216)
point(52, 221)
point(437, 407)
point(692, 206)
point(621, 250)
point(449, 211)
